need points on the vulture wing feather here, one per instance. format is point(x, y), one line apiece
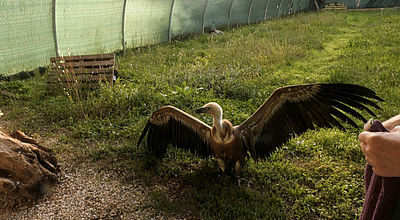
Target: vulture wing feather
point(292, 110)
point(169, 125)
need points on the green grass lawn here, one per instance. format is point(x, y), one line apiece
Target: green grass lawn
point(318, 175)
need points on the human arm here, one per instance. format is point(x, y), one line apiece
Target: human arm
point(392, 122)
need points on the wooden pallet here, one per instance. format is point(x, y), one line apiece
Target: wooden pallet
point(335, 7)
point(82, 71)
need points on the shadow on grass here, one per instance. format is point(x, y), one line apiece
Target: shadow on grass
point(196, 189)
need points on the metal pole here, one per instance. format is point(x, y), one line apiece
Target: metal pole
point(170, 21)
point(299, 5)
point(204, 15)
point(266, 10)
point(279, 10)
point(55, 29)
point(230, 13)
point(249, 14)
point(123, 24)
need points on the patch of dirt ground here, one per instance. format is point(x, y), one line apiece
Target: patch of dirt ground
point(84, 192)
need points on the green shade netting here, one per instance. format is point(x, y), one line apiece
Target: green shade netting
point(240, 11)
point(362, 4)
point(217, 12)
point(286, 7)
point(258, 10)
point(90, 26)
point(369, 3)
point(187, 17)
point(381, 3)
point(296, 5)
point(147, 22)
point(26, 36)
point(349, 3)
point(303, 5)
point(273, 8)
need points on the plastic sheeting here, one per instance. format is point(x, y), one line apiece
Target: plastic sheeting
point(35, 30)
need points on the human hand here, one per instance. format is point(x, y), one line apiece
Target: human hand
point(382, 151)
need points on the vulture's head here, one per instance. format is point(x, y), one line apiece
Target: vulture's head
point(211, 108)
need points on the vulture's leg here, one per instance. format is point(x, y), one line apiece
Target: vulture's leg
point(238, 166)
point(221, 164)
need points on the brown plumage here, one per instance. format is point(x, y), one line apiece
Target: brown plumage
point(289, 111)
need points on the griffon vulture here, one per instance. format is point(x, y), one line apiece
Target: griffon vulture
point(289, 111)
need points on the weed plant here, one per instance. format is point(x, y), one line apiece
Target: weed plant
point(318, 175)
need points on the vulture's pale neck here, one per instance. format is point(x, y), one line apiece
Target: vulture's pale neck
point(217, 119)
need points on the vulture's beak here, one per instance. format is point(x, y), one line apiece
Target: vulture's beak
point(369, 124)
point(201, 110)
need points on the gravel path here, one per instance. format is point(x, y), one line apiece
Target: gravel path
point(85, 193)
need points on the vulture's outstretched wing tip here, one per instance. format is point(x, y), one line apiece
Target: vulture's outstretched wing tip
point(292, 110)
point(143, 134)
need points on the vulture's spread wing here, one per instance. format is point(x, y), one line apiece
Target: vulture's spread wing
point(169, 125)
point(292, 110)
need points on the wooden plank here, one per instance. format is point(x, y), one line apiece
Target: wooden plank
point(333, 9)
point(74, 85)
point(89, 64)
point(84, 57)
point(79, 84)
point(80, 71)
point(72, 78)
point(58, 62)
